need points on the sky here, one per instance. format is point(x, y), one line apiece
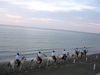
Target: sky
point(74, 15)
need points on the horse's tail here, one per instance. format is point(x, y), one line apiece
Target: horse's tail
point(8, 65)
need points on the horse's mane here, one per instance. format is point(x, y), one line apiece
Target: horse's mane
point(23, 58)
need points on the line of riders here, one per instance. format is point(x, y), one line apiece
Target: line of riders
point(53, 55)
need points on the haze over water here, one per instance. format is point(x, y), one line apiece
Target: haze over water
point(29, 41)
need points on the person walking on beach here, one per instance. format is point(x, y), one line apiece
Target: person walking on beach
point(17, 59)
point(64, 54)
point(76, 50)
point(53, 55)
point(39, 57)
point(84, 50)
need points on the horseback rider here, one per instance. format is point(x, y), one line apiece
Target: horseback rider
point(64, 54)
point(17, 59)
point(76, 50)
point(53, 55)
point(39, 57)
point(84, 50)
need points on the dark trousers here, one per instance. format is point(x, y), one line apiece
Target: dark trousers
point(77, 53)
point(64, 56)
point(54, 58)
point(18, 62)
point(85, 52)
point(40, 60)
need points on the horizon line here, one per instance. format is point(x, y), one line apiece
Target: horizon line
point(46, 28)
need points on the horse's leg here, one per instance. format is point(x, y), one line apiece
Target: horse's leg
point(32, 65)
point(47, 63)
point(42, 63)
point(12, 66)
point(62, 60)
point(39, 65)
point(66, 60)
point(52, 62)
point(20, 67)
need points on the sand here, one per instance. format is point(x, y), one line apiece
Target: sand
point(80, 67)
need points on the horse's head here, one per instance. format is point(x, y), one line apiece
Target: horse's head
point(67, 53)
point(56, 55)
point(23, 58)
point(45, 55)
point(42, 57)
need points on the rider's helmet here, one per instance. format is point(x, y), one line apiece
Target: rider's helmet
point(39, 52)
point(17, 53)
point(53, 51)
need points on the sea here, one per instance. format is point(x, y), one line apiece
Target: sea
point(28, 41)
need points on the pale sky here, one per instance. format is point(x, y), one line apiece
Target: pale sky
point(75, 15)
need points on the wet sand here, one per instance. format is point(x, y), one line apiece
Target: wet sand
point(80, 67)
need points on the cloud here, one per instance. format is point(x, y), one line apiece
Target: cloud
point(41, 19)
point(13, 16)
point(95, 24)
point(61, 14)
point(52, 7)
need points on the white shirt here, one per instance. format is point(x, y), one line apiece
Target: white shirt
point(38, 54)
point(84, 49)
point(17, 57)
point(76, 50)
point(64, 52)
point(53, 54)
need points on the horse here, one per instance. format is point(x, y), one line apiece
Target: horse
point(84, 53)
point(61, 57)
point(50, 60)
point(75, 54)
point(13, 63)
point(34, 61)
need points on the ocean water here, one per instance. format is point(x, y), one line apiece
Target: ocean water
point(29, 41)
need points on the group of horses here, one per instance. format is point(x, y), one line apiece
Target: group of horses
point(49, 60)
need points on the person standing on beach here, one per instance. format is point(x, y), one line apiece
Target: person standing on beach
point(39, 57)
point(53, 55)
point(84, 50)
point(17, 59)
point(76, 50)
point(64, 54)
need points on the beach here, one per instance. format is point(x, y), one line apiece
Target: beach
point(80, 67)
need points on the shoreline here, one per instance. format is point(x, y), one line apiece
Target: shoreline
point(80, 67)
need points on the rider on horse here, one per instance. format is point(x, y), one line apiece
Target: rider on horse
point(84, 49)
point(38, 56)
point(53, 55)
point(17, 59)
point(64, 54)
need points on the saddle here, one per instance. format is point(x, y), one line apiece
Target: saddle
point(38, 59)
point(64, 56)
point(53, 58)
point(16, 62)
